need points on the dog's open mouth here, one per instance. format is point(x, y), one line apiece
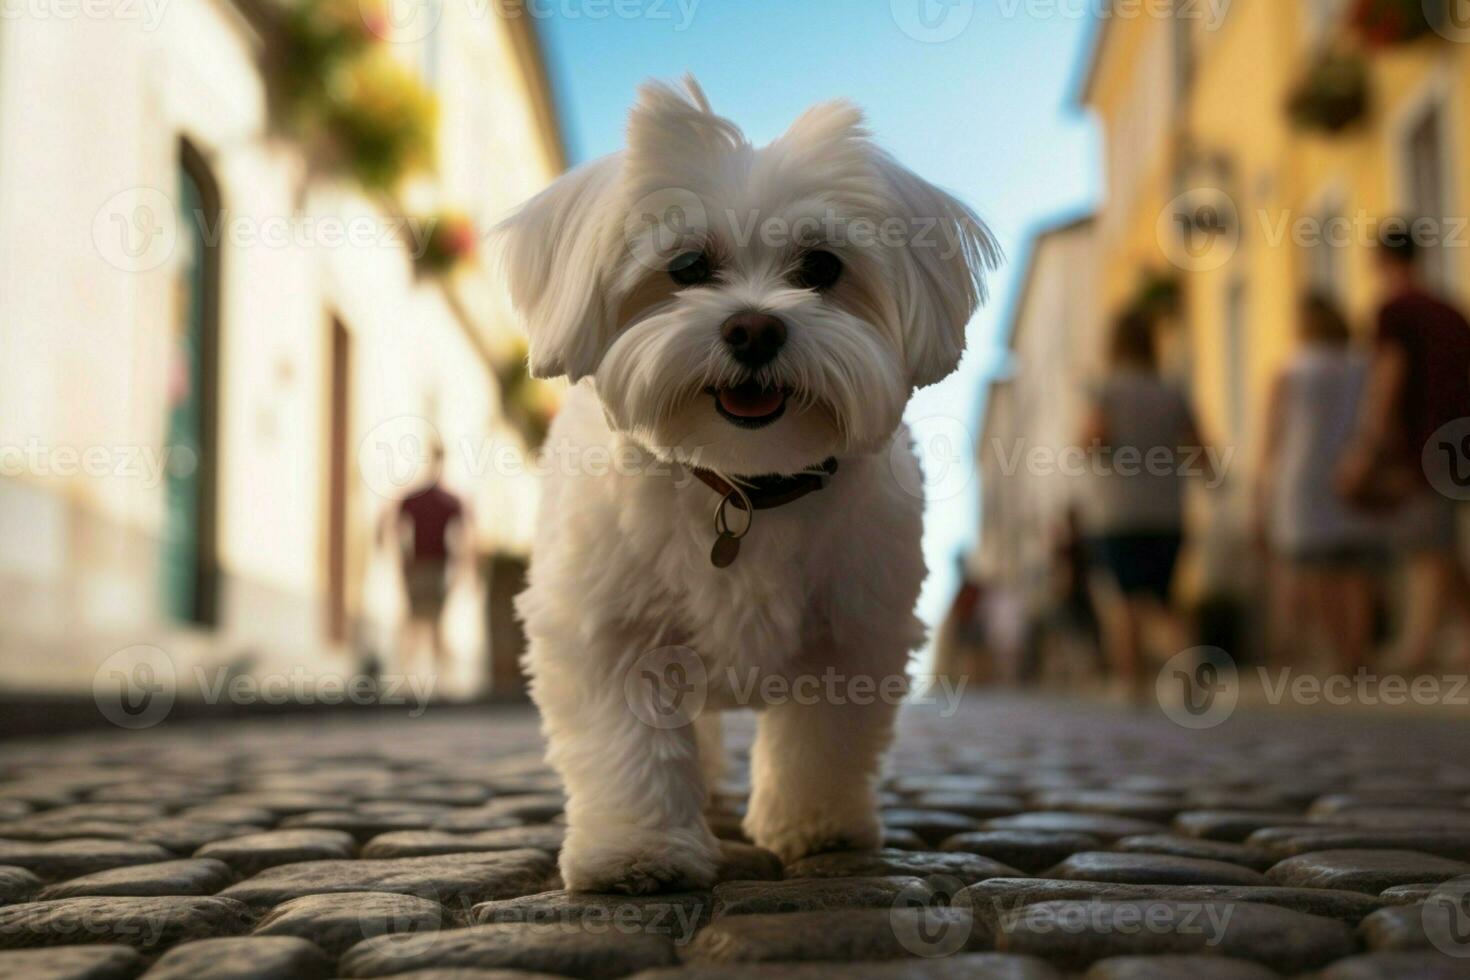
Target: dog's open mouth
point(749, 405)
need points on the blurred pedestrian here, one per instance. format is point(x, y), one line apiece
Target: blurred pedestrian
point(1067, 628)
point(431, 530)
point(1141, 432)
point(1322, 549)
point(960, 652)
point(1419, 380)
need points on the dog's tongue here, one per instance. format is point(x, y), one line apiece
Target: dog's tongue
point(750, 400)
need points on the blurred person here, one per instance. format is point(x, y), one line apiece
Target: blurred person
point(1322, 549)
point(430, 527)
point(1419, 380)
point(1136, 427)
point(959, 643)
point(1070, 616)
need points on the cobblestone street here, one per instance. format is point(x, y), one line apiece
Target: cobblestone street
point(1028, 840)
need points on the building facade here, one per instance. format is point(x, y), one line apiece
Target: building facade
point(1226, 195)
point(1035, 416)
point(217, 368)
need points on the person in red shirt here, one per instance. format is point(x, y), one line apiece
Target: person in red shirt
point(431, 528)
point(1419, 382)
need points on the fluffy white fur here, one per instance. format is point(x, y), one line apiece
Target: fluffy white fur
point(621, 562)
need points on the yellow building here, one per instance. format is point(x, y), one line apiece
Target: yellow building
point(1211, 180)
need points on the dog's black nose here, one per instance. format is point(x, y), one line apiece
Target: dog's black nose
point(754, 338)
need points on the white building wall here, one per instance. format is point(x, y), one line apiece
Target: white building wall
point(91, 114)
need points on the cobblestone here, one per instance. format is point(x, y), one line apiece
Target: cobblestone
point(251, 854)
point(1175, 967)
point(202, 876)
point(146, 924)
point(566, 949)
point(1029, 850)
point(449, 878)
point(1153, 869)
point(337, 922)
point(17, 885)
point(72, 963)
point(1076, 933)
point(1094, 845)
point(247, 958)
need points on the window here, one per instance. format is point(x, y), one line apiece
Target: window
point(1322, 16)
point(1183, 23)
point(187, 562)
point(1427, 194)
point(1326, 258)
point(339, 435)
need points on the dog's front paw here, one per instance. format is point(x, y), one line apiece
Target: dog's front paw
point(635, 861)
point(792, 835)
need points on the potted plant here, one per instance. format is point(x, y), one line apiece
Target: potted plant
point(380, 119)
point(451, 240)
point(1333, 94)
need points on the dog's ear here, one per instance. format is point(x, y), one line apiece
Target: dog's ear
point(556, 252)
point(942, 272)
point(674, 135)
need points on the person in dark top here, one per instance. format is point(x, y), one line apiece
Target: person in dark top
point(431, 529)
point(1419, 381)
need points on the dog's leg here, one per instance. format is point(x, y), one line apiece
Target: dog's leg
point(635, 793)
point(814, 769)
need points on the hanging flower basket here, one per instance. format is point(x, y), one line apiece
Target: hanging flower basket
point(452, 240)
point(1333, 95)
point(1383, 23)
point(379, 120)
point(311, 40)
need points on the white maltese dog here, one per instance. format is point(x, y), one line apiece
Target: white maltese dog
point(740, 512)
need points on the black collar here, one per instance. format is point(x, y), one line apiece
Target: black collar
point(772, 490)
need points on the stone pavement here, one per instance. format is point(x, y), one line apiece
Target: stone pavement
point(1028, 840)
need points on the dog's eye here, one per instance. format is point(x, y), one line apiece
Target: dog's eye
point(818, 270)
point(691, 269)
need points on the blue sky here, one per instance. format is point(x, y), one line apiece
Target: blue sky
point(985, 112)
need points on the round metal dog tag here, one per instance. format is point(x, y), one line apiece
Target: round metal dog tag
point(725, 551)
